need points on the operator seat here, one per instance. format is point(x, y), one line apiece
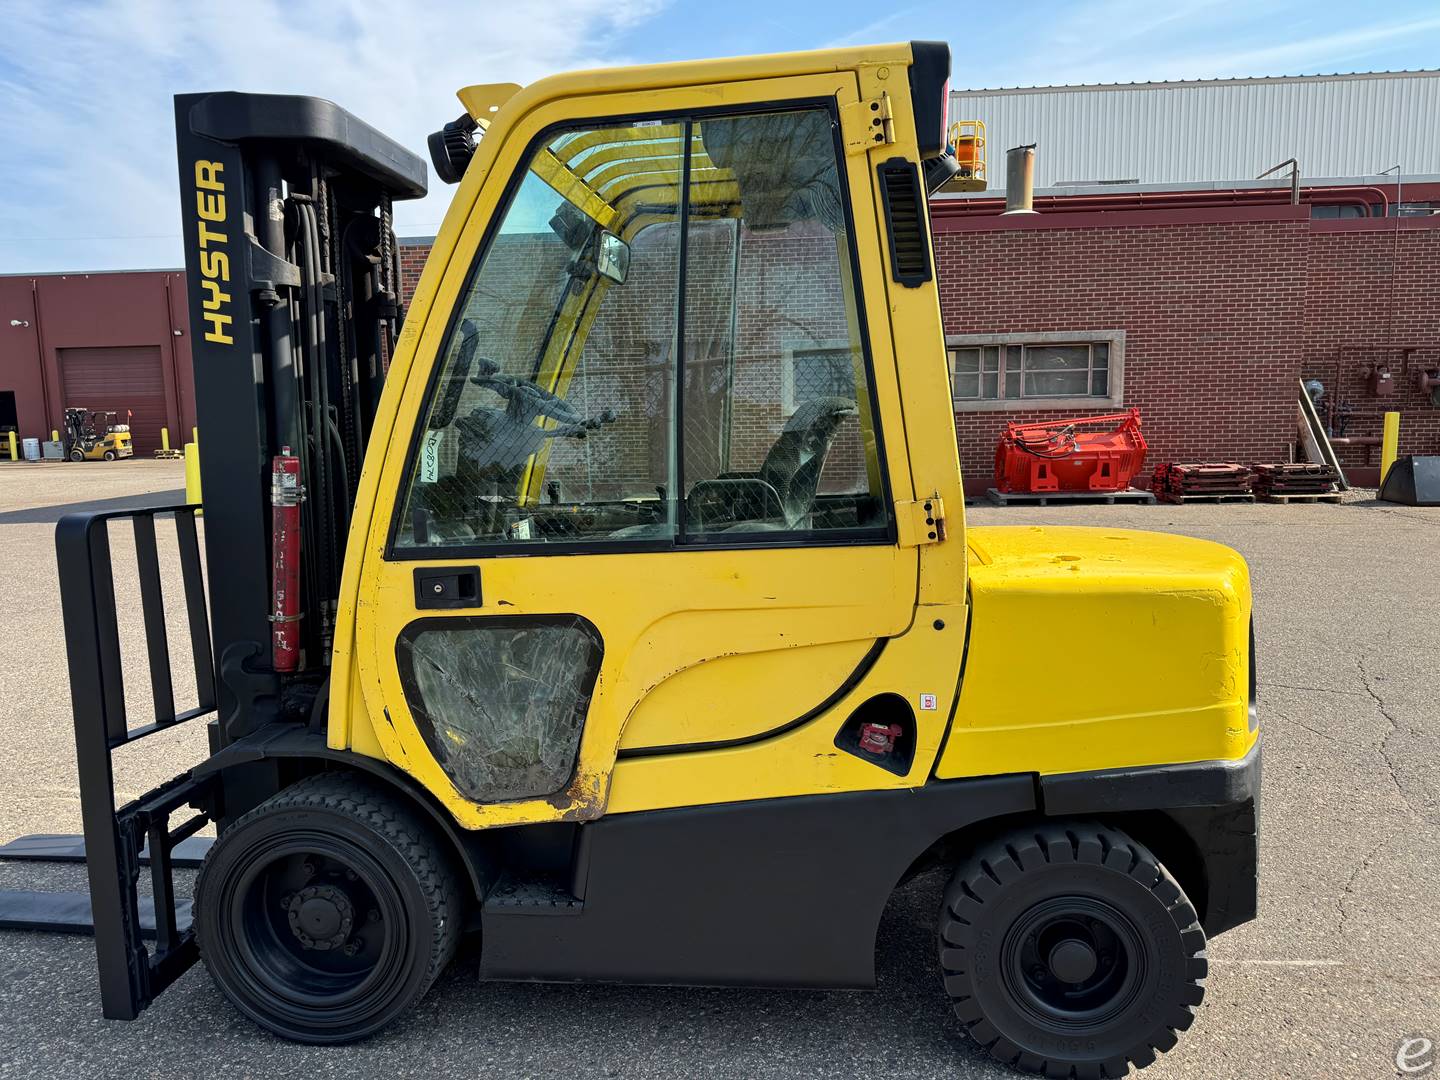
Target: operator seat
point(793, 466)
point(782, 494)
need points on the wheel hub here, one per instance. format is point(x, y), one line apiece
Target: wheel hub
point(1072, 961)
point(321, 916)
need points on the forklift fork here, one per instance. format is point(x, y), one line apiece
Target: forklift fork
point(118, 841)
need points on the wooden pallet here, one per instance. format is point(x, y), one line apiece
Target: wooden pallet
point(1046, 498)
point(1209, 497)
point(1333, 497)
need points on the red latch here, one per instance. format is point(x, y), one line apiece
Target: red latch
point(878, 738)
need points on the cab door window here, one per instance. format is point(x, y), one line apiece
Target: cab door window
point(661, 343)
point(778, 431)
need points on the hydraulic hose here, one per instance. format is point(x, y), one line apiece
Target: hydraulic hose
point(342, 472)
point(320, 407)
point(319, 489)
point(1066, 436)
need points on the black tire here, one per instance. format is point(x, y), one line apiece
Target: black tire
point(328, 910)
point(77, 455)
point(1068, 950)
point(109, 455)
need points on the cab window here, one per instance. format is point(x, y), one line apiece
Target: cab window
point(659, 343)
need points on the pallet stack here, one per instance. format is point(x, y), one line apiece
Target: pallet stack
point(1300, 482)
point(1176, 482)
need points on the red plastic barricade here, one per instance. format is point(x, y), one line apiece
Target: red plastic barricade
point(1054, 455)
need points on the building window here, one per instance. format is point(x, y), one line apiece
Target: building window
point(1040, 370)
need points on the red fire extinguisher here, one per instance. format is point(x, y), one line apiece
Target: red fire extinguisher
point(285, 497)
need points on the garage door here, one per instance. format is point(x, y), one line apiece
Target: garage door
point(119, 379)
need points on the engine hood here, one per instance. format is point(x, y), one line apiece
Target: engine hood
point(1094, 648)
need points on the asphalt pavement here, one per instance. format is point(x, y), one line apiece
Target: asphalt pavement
point(1342, 965)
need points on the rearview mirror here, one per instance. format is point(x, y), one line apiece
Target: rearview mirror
point(612, 257)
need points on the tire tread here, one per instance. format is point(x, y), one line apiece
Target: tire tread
point(979, 877)
point(368, 804)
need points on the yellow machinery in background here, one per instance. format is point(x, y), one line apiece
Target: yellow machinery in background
point(629, 617)
point(96, 435)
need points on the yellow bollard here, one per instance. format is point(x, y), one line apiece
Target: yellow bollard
point(14, 451)
point(195, 435)
point(192, 474)
point(1389, 444)
point(165, 439)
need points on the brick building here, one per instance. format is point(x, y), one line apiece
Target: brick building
point(1204, 310)
point(1218, 312)
point(114, 341)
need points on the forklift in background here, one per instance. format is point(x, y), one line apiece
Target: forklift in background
point(95, 435)
point(618, 605)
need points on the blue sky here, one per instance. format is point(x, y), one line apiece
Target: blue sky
point(87, 170)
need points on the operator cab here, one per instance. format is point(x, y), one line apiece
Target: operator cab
point(553, 419)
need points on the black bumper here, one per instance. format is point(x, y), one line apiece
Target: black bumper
point(1212, 807)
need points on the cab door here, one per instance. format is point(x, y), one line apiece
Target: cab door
point(640, 499)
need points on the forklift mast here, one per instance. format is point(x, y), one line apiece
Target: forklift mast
point(293, 280)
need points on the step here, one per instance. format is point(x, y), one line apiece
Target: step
point(543, 895)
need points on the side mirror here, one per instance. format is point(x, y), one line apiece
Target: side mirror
point(612, 257)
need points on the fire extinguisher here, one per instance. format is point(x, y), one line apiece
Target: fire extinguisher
point(286, 495)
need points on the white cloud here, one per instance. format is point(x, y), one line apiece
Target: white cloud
point(87, 151)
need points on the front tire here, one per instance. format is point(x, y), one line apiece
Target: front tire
point(77, 455)
point(328, 910)
point(1069, 950)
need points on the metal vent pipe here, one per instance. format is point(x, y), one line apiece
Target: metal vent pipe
point(1020, 180)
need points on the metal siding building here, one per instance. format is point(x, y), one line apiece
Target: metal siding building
point(1214, 130)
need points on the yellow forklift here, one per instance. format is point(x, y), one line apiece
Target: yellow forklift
point(96, 435)
point(628, 618)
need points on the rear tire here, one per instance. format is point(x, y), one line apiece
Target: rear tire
point(328, 910)
point(109, 455)
point(1069, 950)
